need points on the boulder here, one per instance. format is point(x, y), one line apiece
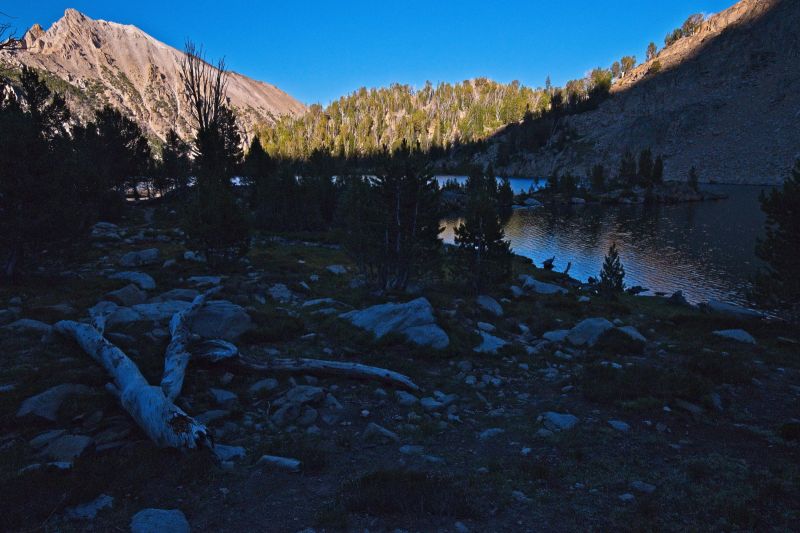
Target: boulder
point(559, 421)
point(303, 394)
point(633, 333)
point(221, 319)
point(127, 296)
point(489, 343)
point(406, 399)
point(184, 295)
point(588, 332)
point(376, 433)
point(413, 319)
point(67, 447)
point(337, 269)
point(159, 521)
point(733, 310)
point(619, 425)
point(46, 404)
point(106, 231)
point(489, 304)
point(29, 326)
point(224, 398)
point(140, 258)
point(281, 293)
point(142, 280)
point(88, 511)
point(738, 335)
point(532, 202)
point(556, 336)
point(263, 386)
point(540, 287)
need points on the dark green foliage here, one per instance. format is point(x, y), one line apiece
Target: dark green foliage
point(45, 199)
point(598, 179)
point(780, 248)
point(273, 326)
point(627, 63)
point(553, 182)
point(646, 166)
point(687, 29)
point(616, 342)
point(123, 155)
point(652, 51)
point(627, 169)
point(174, 168)
point(486, 254)
point(214, 221)
point(505, 199)
point(613, 273)
point(658, 170)
point(391, 222)
point(694, 180)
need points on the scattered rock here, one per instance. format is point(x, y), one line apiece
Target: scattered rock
point(140, 258)
point(558, 335)
point(734, 310)
point(627, 497)
point(88, 511)
point(540, 287)
point(281, 463)
point(489, 433)
point(30, 327)
point(489, 343)
point(228, 453)
point(221, 319)
point(406, 399)
point(142, 280)
point(46, 404)
point(633, 333)
point(159, 521)
point(641, 486)
point(559, 422)
point(263, 386)
point(303, 394)
point(588, 331)
point(430, 404)
point(224, 397)
point(184, 295)
point(489, 304)
point(67, 447)
point(374, 432)
point(413, 319)
point(337, 269)
point(127, 296)
point(281, 293)
point(738, 335)
point(619, 425)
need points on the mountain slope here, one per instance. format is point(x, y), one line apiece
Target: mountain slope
point(97, 62)
point(725, 100)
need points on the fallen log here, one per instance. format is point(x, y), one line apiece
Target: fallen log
point(177, 356)
point(163, 421)
point(328, 368)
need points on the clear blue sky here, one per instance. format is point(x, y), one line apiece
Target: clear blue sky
point(319, 50)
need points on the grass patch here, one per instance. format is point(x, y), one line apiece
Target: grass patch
point(605, 384)
point(406, 492)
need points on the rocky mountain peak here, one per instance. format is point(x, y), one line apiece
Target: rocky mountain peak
point(101, 62)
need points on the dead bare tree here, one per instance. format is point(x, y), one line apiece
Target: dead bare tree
point(8, 40)
point(204, 85)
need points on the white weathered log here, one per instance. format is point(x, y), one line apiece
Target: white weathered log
point(329, 368)
point(164, 422)
point(177, 356)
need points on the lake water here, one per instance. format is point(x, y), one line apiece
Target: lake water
point(705, 249)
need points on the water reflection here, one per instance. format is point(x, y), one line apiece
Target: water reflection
point(705, 249)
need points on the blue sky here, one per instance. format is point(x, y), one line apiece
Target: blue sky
point(319, 50)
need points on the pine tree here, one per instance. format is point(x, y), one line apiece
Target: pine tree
point(780, 248)
point(173, 172)
point(694, 180)
point(505, 199)
point(652, 51)
point(124, 154)
point(214, 221)
point(480, 238)
point(646, 167)
point(658, 170)
point(612, 275)
point(598, 179)
point(627, 169)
